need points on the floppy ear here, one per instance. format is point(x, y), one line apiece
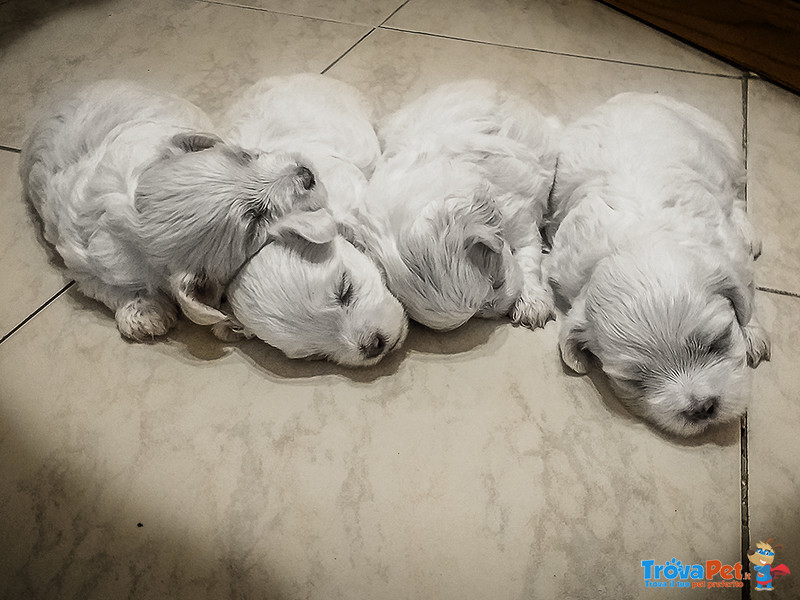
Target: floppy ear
point(198, 297)
point(317, 227)
point(194, 141)
point(740, 296)
point(572, 338)
point(483, 238)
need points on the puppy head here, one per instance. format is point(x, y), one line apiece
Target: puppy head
point(668, 330)
point(205, 206)
point(452, 263)
point(310, 293)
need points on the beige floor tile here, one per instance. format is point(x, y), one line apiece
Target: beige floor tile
point(30, 271)
point(581, 27)
point(773, 144)
point(467, 466)
point(365, 12)
point(774, 447)
point(394, 67)
point(200, 50)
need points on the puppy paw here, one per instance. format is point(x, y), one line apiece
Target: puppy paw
point(533, 309)
point(759, 347)
point(146, 317)
point(228, 331)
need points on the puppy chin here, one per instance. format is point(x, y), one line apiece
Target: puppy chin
point(686, 403)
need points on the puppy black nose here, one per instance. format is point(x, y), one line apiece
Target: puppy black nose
point(703, 409)
point(306, 178)
point(374, 347)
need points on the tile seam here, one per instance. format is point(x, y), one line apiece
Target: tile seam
point(346, 52)
point(22, 323)
point(778, 292)
point(280, 12)
point(732, 76)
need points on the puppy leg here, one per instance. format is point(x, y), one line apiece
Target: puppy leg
point(759, 347)
point(146, 316)
point(535, 306)
point(140, 315)
point(745, 228)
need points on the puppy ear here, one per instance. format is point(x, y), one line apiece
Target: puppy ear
point(194, 141)
point(483, 239)
point(317, 227)
point(572, 338)
point(198, 297)
point(740, 296)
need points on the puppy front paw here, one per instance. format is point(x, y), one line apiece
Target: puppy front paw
point(145, 317)
point(759, 347)
point(533, 309)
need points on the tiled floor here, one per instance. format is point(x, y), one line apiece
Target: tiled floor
point(467, 466)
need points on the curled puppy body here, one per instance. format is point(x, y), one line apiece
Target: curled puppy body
point(456, 202)
point(309, 291)
point(652, 250)
point(145, 207)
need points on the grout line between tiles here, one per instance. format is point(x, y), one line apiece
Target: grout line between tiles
point(280, 12)
point(10, 149)
point(37, 311)
point(346, 52)
point(394, 12)
point(567, 54)
point(744, 462)
point(745, 498)
point(769, 290)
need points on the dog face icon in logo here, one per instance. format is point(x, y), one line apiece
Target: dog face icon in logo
point(762, 560)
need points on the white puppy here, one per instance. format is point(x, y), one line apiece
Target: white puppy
point(144, 207)
point(456, 202)
point(309, 291)
point(654, 254)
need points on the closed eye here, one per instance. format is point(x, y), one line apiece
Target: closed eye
point(498, 283)
point(344, 291)
point(720, 344)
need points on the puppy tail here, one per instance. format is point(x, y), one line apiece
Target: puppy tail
point(572, 339)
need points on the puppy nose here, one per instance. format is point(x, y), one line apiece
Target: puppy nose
point(306, 178)
point(374, 347)
point(703, 409)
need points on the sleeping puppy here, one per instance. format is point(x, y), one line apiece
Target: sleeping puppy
point(652, 250)
point(146, 208)
point(309, 291)
point(456, 202)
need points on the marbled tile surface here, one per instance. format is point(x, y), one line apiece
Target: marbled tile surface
point(467, 465)
point(773, 148)
point(581, 27)
point(30, 271)
point(774, 448)
point(200, 50)
point(394, 67)
point(347, 11)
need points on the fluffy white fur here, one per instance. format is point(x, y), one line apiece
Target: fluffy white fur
point(653, 252)
point(146, 208)
point(309, 291)
point(455, 205)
